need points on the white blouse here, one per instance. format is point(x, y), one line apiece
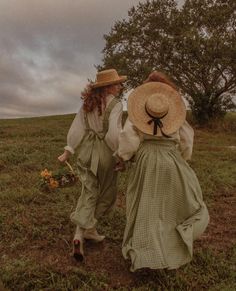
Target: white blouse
point(130, 139)
point(77, 129)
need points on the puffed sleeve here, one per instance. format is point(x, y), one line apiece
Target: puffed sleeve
point(76, 132)
point(186, 134)
point(115, 125)
point(129, 141)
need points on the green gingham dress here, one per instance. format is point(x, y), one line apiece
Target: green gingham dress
point(165, 211)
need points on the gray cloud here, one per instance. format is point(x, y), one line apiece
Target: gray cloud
point(48, 49)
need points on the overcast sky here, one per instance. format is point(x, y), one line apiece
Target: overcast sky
point(48, 50)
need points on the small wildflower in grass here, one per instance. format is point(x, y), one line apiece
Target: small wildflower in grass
point(46, 174)
point(53, 183)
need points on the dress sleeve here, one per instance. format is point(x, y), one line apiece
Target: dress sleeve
point(186, 134)
point(129, 141)
point(115, 125)
point(76, 132)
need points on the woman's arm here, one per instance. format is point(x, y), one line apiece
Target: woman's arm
point(129, 141)
point(76, 132)
point(74, 136)
point(186, 140)
point(115, 126)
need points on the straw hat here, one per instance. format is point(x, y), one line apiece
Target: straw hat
point(156, 108)
point(108, 77)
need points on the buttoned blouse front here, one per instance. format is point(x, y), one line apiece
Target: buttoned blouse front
point(77, 129)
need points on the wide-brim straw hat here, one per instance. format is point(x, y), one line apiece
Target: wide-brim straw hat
point(108, 77)
point(153, 102)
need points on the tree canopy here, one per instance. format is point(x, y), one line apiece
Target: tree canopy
point(195, 45)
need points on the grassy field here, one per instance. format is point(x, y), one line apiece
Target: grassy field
point(36, 232)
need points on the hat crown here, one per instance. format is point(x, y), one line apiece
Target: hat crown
point(157, 105)
point(161, 102)
point(107, 76)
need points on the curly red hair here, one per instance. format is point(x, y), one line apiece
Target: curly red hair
point(157, 76)
point(94, 98)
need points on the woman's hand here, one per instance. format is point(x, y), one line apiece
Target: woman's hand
point(64, 157)
point(120, 166)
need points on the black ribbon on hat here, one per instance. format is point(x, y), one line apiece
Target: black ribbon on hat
point(157, 123)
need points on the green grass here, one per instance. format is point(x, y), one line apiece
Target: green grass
point(36, 233)
point(28, 275)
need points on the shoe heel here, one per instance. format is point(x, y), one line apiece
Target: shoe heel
point(78, 252)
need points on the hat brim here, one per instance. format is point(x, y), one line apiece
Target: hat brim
point(138, 116)
point(102, 84)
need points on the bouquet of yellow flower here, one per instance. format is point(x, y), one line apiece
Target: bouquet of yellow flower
point(61, 178)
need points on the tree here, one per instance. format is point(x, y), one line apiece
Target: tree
point(196, 45)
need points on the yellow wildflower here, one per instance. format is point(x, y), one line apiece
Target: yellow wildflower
point(46, 174)
point(53, 183)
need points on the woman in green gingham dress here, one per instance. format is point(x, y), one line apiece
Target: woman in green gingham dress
point(165, 210)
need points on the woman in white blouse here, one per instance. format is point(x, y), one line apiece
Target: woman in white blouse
point(165, 211)
point(94, 133)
